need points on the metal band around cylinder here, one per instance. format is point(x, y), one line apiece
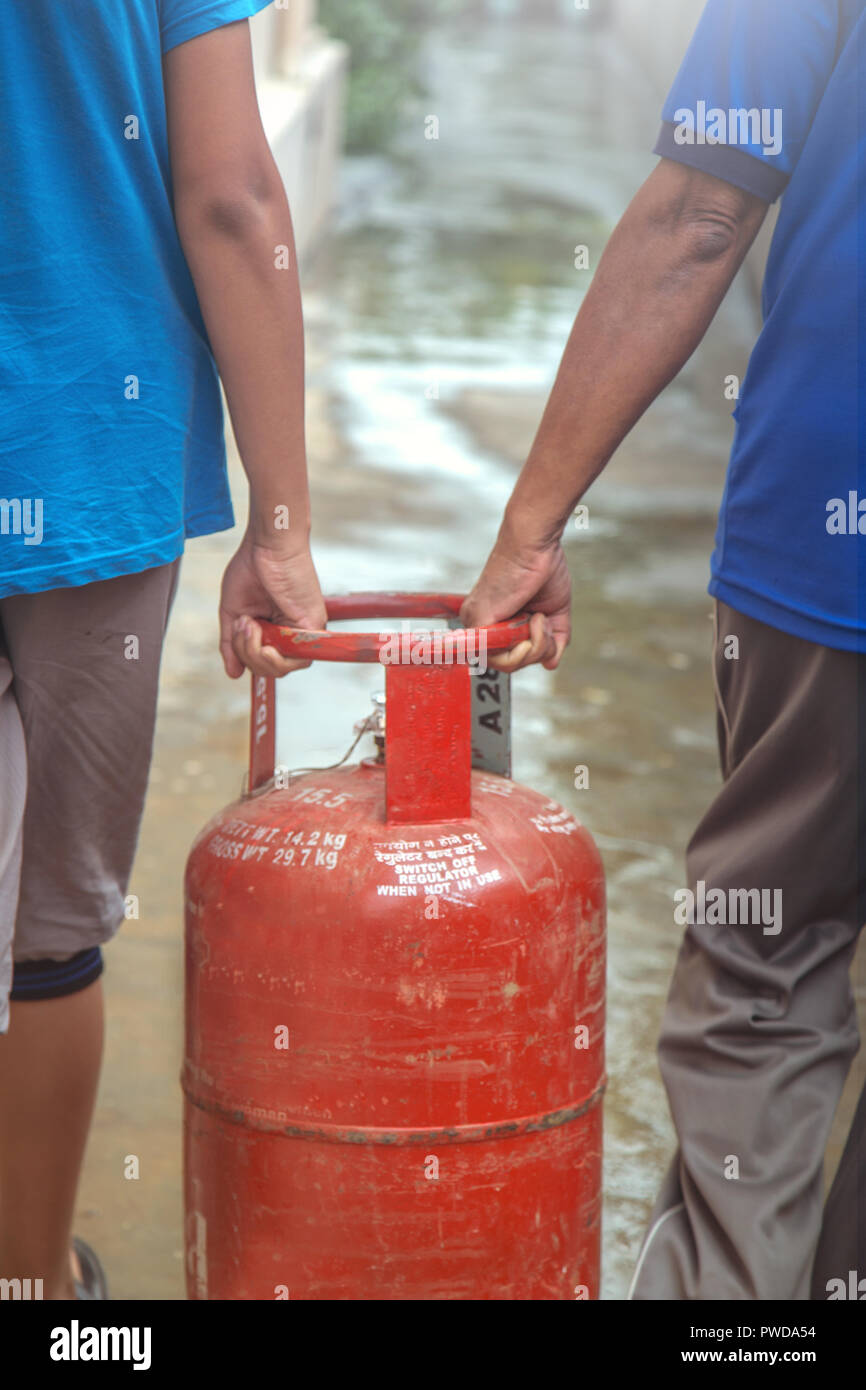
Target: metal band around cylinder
point(397, 1138)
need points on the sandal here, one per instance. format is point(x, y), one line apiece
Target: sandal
point(93, 1284)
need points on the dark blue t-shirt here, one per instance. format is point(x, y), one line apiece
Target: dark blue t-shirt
point(111, 437)
point(771, 97)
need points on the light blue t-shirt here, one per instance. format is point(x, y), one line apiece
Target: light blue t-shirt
point(111, 429)
point(772, 97)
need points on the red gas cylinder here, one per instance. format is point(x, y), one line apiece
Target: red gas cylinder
point(395, 1003)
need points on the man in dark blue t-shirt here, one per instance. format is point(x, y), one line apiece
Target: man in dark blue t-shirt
point(760, 1025)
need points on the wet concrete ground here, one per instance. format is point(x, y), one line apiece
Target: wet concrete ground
point(436, 314)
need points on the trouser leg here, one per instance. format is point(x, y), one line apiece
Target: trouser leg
point(760, 1025)
point(86, 666)
point(841, 1250)
point(13, 778)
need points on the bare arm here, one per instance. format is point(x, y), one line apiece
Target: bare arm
point(663, 275)
point(232, 218)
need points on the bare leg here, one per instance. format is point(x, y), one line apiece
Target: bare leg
point(49, 1072)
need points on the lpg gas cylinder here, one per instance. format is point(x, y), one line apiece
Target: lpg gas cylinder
point(394, 1055)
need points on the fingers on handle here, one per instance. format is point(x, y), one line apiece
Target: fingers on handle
point(232, 663)
point(560, 642)
point(260, 659)
point(543, 646)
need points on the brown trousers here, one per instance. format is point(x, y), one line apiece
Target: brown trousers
point(79, 674)
point(760, 1026)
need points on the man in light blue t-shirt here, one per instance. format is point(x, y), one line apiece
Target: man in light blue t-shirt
point(145, 241)
point(760, 1026)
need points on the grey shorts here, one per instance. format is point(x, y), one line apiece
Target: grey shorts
point(79, 672)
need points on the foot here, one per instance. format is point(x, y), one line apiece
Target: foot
point(87, 1273)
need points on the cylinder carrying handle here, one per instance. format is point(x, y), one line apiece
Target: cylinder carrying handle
point(428, 738)
point(378, 646)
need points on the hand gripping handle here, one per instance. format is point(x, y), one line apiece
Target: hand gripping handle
point(427, 730)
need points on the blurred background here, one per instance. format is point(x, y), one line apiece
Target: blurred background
point(444, 160)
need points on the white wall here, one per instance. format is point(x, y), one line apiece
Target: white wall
point(300, 78)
